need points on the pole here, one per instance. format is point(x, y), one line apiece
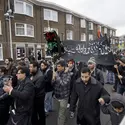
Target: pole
point(10, 32)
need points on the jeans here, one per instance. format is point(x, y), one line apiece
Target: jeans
point(120, 89)
point(48, 102)
point(62, 111)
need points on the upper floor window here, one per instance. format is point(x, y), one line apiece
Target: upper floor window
point(111, 33)
point(83, 23)
point(24, 30)
point(50, 15)
point(83, 37)
point(90, 26)
point(69, 35)
point(114, 33)
point(99, 28)
point(69, 19)
point(23, 8)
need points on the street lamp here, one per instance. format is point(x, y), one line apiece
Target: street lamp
point(8, 15)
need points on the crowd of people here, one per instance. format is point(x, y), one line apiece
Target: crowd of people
point(29, 88)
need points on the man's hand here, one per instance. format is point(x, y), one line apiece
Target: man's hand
point(66, 69)
point(120, 77)
point(101, 101)
point(115, 66)
point(54, 76)
point(7, 89)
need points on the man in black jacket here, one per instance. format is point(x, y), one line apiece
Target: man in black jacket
point(47, 73)
point(90, 94)
point(23, 95)
point(38, 80)
point(96, 73)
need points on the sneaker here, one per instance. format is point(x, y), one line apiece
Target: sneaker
point(68, 105)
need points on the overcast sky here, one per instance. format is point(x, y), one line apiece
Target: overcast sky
point(110, 12)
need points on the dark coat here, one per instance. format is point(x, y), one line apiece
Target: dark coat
point(116, 118)
point(23, 95)
point(88, 96)
point(98, 75)
point(48, 79)
point(38, 81)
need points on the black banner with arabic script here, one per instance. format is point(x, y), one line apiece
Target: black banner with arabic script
point(82, 51)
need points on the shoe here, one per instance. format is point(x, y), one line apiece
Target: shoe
point(68, 105)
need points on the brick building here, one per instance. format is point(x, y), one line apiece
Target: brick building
point(32, 18)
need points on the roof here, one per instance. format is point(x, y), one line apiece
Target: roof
point(63, 9)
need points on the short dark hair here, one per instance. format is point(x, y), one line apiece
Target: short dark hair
point(35, 64)
point(10, 59)
point(4, 70)
point(62, 63)
point(21, 63)
point(45, 63)
point(23, 69)
point(85, 70)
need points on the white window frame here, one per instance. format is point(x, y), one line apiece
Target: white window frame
point(83, 23)
point(91, 28)
point(1, 49)
point(70, 37)
point(24, 8)
point(51, 15)
point(105, 30)
point(25, 30)
point(0, 27)
point(20, 45)
point(71, 20)
point(90, 37)
point(83, 37)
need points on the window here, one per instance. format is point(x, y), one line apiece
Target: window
point(23, 8)
point(111, 33)
point(20, 52)
point(83, 37)
point(20, 29)
point(24, 30)
point(0, 28)
point(90, 26)
point(69, 19)
point(105, 30)
point(50, 15)
point(1, 52)
point(83, 23)
point(30, 30)
point(90, 37)
point(69, 35)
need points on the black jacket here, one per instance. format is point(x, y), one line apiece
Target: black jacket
point(116, 118)
point(48, 79)
point(98, 75)
point(23, 95)
point(88, 96)
point(38, 81)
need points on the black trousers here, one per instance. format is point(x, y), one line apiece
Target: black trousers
point(4, 115)
point(38, 117)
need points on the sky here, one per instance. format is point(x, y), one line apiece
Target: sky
point(108, 12)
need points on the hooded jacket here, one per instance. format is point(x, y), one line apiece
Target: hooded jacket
point(116, 118)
